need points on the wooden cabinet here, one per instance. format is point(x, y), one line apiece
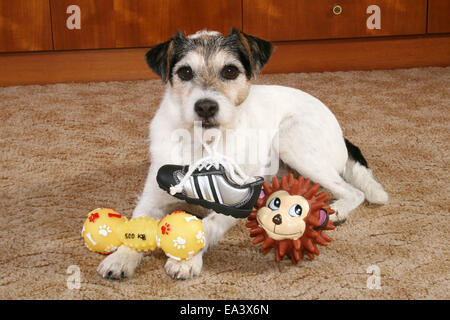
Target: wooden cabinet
point(142, 23)
point(138, 23)
point(25, 25)
point(305, 19)
point(96, 27)
point(438, 16)
point(340, 34)
point(34, 25)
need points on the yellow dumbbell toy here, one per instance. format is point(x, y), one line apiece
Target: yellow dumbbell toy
point(100, 230)
point(139, 233)
point(179, 234)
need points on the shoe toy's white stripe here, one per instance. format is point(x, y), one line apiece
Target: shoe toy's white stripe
point(205, 189)
point(193, 188)
point(216, 188)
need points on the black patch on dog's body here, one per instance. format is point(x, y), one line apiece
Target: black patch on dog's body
point(355, 153)
point(251, 51)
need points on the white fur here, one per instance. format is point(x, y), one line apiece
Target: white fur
point(310, 142)
point(362, 178)
point(201, 33)
point(181, 99)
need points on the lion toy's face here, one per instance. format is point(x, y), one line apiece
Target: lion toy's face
point(283, 216)
point(291, 217)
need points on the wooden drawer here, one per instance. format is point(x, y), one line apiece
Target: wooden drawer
point(438, 16)
point(305, 19)
point(142, 23)
point(139, 23)
point(97, 27)
point(25, 25)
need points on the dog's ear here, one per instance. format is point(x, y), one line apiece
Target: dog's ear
point(161, 57)
point(256, 51)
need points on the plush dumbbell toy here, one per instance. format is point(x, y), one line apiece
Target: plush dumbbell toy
point(179, 234)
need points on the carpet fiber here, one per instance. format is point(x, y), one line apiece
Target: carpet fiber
point(69, 148)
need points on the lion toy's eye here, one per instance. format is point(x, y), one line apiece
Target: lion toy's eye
point(295, 211)
point(274, 204)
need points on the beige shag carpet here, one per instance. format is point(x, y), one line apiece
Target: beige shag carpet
point(69, 148)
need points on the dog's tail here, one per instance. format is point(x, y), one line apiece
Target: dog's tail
point(358, 174)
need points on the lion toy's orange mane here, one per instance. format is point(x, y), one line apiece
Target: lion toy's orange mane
point(313, 225)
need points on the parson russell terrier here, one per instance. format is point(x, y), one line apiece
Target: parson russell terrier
point(208, 80)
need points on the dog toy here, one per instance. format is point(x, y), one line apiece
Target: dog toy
point(179, 234)
point(291, 217)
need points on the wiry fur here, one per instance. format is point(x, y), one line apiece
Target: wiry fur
point(310, 138)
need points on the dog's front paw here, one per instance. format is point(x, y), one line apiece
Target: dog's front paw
point(337, 220)
point(341, 212)
point(184, 269)
point(120, 264)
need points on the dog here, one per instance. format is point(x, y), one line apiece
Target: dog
point(208, 79)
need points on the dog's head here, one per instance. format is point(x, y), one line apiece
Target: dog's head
point(208, 74)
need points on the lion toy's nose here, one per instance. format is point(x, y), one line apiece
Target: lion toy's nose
point(277, 219)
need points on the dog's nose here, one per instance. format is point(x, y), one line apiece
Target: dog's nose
point(277, 219)
point(206, 108)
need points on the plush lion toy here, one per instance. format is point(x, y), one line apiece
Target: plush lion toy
point(291, 217)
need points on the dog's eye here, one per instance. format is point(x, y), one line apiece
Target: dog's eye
point(230, 72)
point(295, 211)
point(185, 73)
point(275, 204)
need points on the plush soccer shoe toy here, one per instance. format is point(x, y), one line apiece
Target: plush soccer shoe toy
point(215, 182)
point(210, 187)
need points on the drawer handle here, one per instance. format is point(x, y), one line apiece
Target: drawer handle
point(337, 9)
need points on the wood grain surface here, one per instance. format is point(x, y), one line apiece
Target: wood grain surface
point(25, 25)
point(304, 19)
point(438, 16)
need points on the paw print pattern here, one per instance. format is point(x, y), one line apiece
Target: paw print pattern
point(94, 217)
point(179, 243)
point(165, 228)
point(104, 230)
point(200, 236)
